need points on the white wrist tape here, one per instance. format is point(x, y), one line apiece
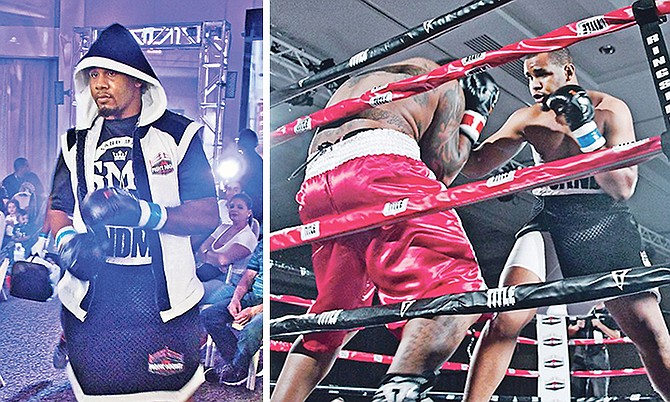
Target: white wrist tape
point(472, 125)
point(589, 138)
point(152, 216)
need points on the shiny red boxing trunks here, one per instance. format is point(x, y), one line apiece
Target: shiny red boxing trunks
point(423, 257)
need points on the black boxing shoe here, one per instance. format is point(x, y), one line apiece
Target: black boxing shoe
point(404, 388)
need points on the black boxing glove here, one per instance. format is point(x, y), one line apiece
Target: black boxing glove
point(481, 94)
point(572, 102)
point(81, 254)
point(117, 206)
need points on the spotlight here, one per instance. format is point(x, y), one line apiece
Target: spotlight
point(229, 169)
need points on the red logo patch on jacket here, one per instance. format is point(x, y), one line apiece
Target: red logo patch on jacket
point(161, 164)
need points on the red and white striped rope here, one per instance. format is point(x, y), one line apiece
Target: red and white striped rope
point(554, 172)
point(292, 300)
point(367, 357)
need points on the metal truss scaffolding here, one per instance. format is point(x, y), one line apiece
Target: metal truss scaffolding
point(660, 243)
point(291, 63)
point(211, 38)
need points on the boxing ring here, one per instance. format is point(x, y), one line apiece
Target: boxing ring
point(646, 15)
point(381, 359)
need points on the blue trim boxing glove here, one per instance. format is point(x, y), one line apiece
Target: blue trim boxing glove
point(572, 102)
point(117, 206)
point(81, 254)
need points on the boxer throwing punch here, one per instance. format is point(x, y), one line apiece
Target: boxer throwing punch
point(408, 147)
point(132, 183)
point(578, 228)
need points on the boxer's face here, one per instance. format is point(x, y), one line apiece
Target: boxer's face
point(544, 77)
point(117, 95)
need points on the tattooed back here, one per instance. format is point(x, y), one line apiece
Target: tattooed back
point(431, 118)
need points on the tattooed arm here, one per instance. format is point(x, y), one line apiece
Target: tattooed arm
point(443, 148)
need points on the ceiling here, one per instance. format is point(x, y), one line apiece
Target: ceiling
point(339, 29)
point(27, 12)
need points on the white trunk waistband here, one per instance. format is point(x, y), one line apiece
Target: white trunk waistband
point(366, 143)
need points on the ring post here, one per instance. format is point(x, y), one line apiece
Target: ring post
point(553, 358)
point(647, 17)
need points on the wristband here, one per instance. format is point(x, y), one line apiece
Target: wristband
point(64, 235)
point(589, 138)
point(152, 216)
point(472, 125)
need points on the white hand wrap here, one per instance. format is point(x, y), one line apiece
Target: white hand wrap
point(152, 216)
point(472, 125)
point(589, 138)
point(40, 245)
point(64, 235)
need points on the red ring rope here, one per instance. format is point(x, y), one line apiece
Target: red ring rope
point(293, 300)
point(558, 171)
point(366, 357)
point(556, 39)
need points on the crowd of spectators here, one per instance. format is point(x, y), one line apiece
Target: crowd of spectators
point(21, 210)
point(230, 264)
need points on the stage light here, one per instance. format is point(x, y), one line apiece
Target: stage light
point(229, 169)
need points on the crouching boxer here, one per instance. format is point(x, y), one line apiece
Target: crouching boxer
point(132, 183)
point(405, 148)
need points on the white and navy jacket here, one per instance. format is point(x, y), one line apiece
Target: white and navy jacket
point(169, 167)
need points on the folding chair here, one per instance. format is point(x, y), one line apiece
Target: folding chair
point(210, 353)
point(251, 374)
point(3, 273)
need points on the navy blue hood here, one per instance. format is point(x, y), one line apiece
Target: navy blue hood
point(116, 49)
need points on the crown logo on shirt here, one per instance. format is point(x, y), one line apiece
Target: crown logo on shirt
point(120, 155)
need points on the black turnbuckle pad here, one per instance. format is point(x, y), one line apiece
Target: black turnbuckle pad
point(665, 144)
point(645, 12)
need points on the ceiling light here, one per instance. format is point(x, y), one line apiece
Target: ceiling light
point(607, 49)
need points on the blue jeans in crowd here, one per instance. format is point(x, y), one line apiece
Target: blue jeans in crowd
point(236, 350)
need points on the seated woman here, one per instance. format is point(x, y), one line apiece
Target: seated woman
point(223, 257)
point(11, 219)
point(26, 199)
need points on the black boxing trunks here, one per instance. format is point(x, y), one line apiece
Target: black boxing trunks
point(591, 233)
